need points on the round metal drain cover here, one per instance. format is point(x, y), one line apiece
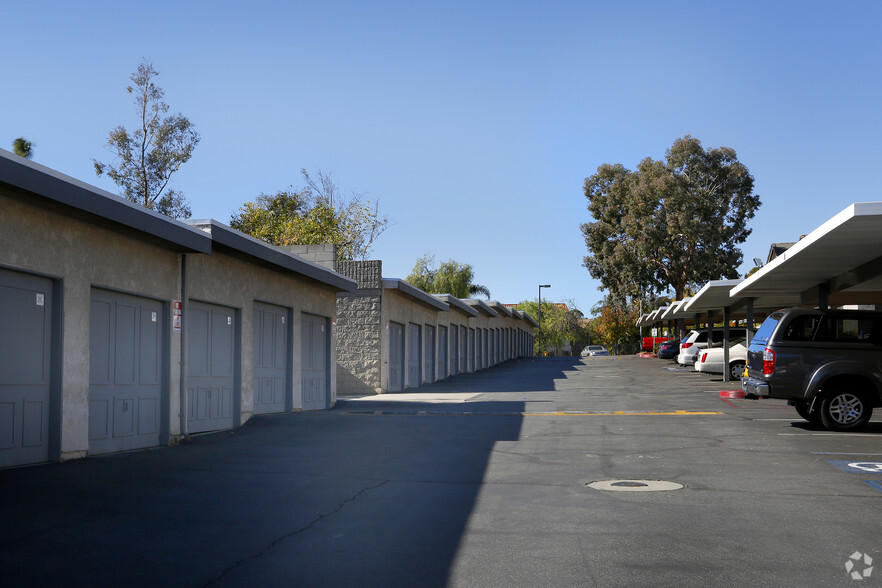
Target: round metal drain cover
point(634, 485)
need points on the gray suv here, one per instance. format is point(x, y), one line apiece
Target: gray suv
point(826, 363)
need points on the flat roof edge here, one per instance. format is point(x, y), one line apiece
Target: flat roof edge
point(44, 182)
point(261, 250)
point(415, 293)
point(456, 304)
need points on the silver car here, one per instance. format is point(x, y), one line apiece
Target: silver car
point(593, 350)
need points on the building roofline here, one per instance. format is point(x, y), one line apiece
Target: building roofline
point(96, 206)
point(415, 293)
point(482, 307)
point(457, 304)
point(262, 251)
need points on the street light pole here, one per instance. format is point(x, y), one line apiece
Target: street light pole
point(540, 313)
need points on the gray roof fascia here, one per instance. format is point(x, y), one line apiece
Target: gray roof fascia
point(94, 204)
point(527, 317)
point(500, 307)
point(238, 241)
point(415, 293)
point(457, 304)
point(479, 304)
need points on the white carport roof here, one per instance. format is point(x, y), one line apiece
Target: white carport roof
point(675, 310)
point(844, 255)
point(711, 297)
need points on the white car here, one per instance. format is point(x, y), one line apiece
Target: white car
point(711, 360)
point(593, 350)
point(696, 341)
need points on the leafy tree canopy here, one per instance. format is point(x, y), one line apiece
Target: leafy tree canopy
point(316, 213)
point(669, 224)
point(614, 324)
point(23, 148)
point(147, 157)
point(450, 277)
point(562, 324)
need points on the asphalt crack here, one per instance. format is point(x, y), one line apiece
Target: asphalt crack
point(303, 529)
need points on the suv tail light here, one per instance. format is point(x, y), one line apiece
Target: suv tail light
point(686, 345)
point(703, 357)
point(768, 361)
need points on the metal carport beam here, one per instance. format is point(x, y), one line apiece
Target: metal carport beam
point(840, 258)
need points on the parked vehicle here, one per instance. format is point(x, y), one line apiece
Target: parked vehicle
point(593, 350)
point(826, 363)
point(669, 349)
point(649, 343)
point(697, 340)
point(711, 360)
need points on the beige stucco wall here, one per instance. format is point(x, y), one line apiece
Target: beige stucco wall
point(84, 256)
point(229, 281)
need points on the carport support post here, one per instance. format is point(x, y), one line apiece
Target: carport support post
point(710, 328)
point(726, 312)
point(749, 320)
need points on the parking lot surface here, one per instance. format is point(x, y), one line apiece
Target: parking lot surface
point(608, 471)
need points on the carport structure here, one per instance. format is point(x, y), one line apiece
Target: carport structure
point(837, 264)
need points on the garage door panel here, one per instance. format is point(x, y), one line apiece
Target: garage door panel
point(221, 345)
point(98, 419)
point(149, 369)
point(101, 343)
point(7, 425)
point(23, 357)
point(26, 333)
point(314, 376)
point(270, 358)
point(210, 384)
point(125, 345)
point(148, 416)
point(34, 415)
point(123, 417)
point(125, 348)
point(197, 342)
point(396, 357)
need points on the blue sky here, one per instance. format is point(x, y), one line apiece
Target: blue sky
point(474, 123)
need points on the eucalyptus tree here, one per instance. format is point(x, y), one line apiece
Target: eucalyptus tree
point(668, 224)
point(148, 157)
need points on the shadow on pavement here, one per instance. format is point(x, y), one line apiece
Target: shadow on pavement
point(310, 499)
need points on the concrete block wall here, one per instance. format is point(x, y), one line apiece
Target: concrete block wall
point(360, 330)
point(324, 255)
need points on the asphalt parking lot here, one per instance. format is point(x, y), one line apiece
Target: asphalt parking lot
point(483, 480)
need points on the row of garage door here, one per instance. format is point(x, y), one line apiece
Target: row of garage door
point(413, 358)
point(129, 371)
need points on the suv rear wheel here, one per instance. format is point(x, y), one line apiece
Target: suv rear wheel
point(802, 409)
point(845, 411)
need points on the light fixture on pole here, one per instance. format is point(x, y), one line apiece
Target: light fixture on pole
point(540, 313)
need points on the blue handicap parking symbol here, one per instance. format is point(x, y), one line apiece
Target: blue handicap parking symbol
point(856, 466)
point(875, 484)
